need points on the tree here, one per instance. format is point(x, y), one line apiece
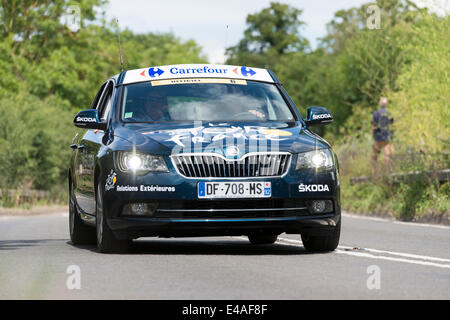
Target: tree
point(420, 104)
point(37, 27)
point(347, 24)
point(271, 32)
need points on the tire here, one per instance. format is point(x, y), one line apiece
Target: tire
point(106, 241)
point(322, 243)
point(262, 238)
point(80, 233)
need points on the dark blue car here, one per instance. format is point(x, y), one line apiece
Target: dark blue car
point(201, 150)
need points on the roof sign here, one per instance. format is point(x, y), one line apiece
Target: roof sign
point(197, 71)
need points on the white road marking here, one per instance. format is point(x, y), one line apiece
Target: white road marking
point(413, 224)
point(11, 217)
point(401, 254)
point(413, 258)
point(370, 256)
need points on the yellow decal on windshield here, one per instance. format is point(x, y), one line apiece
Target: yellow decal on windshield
point(276, 132)
point(197, 80)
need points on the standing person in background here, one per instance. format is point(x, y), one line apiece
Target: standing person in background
point(382, 134)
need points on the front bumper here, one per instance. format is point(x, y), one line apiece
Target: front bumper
point(131, 228)
point(181, 214)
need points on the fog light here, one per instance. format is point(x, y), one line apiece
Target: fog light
point(139, 209)
point(320, 206)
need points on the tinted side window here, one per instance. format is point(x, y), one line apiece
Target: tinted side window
point(98, 96)
point(105, 103)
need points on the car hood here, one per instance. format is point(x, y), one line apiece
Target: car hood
point(188, 137)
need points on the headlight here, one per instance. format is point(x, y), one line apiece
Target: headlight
point(141, 163)
point(317, 159)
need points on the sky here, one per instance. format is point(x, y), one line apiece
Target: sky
point(217, 24)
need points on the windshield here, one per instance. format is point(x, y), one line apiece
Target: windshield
point(203, 99)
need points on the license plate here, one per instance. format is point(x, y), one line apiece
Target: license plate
point(209, 190)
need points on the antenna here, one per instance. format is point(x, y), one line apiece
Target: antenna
point(226, 40)
point(120, 46)
point(226, 36)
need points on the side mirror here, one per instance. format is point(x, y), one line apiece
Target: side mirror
point(318, 116)
point(88, 119)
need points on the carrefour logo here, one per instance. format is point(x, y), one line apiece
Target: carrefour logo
point(153, 72)
point(247, 72)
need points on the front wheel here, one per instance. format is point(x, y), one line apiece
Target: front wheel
point(106, 241)
point(322, 243)
point(80, 233)
point(262, 238)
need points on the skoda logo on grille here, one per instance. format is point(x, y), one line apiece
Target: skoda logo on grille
point(232, 152)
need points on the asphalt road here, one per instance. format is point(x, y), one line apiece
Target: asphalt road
point(391, 261)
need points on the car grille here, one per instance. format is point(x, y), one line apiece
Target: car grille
point(205, 165)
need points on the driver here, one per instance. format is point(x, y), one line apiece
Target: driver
point(156, 107)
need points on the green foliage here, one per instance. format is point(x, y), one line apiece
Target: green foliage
point(31, 142)
point(365, 198)
point(37, 27)
point(417, 87)
point(407, 196)
point(421, 102)
point(348, 24)
point(420, 198)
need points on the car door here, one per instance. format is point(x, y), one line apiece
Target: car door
point(88, 148)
